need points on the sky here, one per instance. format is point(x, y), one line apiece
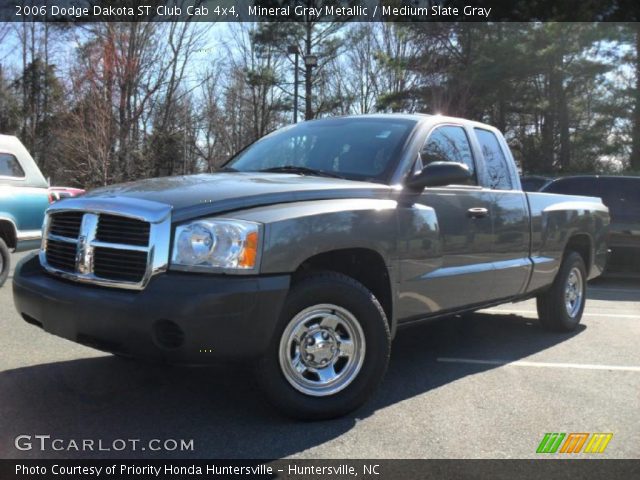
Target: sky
point(219, 37)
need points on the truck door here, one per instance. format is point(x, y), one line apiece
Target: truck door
point(459, 270)
point(509, 215)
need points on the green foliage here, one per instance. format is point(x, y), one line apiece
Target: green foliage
point(553, 88)
point(41, 103)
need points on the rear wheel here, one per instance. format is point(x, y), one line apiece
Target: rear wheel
point(330, 350)
point(5, 261)
point(560, 308)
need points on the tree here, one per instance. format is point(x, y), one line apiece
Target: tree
point(42, 104)
point(542, 84)
point(311, 35)
point(262, 66)
point(9, 109)
point(635, 121)
point(211, 121)
point(395, 78)
point(170, 148)
point(134, 72)
point(133, 101)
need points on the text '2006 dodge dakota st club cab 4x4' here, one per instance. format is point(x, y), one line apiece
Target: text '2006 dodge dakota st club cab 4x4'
point(309, 250)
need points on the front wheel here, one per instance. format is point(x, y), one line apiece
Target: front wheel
point(5, 261)
point(330, 350)
point(560, 308)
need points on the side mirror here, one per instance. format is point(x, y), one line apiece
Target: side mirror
point(438, 174)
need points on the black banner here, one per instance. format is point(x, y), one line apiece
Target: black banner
point(79, 11)
point(319, 469)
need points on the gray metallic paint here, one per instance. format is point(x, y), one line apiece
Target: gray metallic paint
point(554, 220)
point(449, 253)
point(297, 231)
point(207, 194)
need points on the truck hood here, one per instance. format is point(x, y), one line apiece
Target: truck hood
point(193, 196)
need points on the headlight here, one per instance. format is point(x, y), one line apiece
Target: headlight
point(211, 244)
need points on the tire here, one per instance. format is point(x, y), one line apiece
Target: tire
point(5, 261)
point(322, 316)
point(556, 310)
point(467, 316)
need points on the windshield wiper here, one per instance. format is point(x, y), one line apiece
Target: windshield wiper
point(301, 171)
point(226, 169)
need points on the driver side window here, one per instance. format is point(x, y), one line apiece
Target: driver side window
point(449, 143)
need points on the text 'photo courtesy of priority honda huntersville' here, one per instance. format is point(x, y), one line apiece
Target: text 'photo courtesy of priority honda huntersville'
point(307, 252)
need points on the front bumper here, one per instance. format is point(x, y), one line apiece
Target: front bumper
point(178, 318)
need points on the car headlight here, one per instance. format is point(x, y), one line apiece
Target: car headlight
point(216, 244)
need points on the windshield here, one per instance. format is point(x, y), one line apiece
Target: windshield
point(353, 148)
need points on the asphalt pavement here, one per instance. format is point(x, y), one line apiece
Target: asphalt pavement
point(487, 386)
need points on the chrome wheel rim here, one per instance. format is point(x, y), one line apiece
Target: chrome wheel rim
point(573, 292)
point(322, 350)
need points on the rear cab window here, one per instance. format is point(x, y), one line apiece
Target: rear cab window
point(498, 175)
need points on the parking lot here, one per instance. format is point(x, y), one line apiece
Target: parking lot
point(488, 386)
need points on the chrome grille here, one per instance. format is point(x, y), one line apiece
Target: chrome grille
point(119, 264)
point(111, 242)
point(114, 229)
point(66, 224)
point(62, 255)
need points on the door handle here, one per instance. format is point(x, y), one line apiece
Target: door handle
point(477, 212)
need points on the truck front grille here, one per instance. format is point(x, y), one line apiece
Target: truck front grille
point(66, 224)
point(100, 248)
point(61, 255)
point(120, 265)
point(114, 229)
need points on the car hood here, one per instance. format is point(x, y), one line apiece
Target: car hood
point(197, 195)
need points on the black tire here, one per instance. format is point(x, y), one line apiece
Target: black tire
point(467, 316)
point(553, 312)
point(344, 292)
point(5, 261)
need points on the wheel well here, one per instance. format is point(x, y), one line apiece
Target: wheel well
point(8, 233)
point(581, 244)
point(364, 265)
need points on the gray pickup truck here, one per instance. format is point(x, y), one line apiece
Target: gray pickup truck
point(309, 250)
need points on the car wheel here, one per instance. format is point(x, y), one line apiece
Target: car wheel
point(330, 349)
point(5, 261)
point(560, 308)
